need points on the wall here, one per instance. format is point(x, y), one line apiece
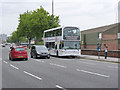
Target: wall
point(95, 52)
point(110, 40)
point(89, 40)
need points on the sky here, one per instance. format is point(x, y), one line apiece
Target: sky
point(85, 14)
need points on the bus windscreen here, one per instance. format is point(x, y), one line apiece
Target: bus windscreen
point(71, 33)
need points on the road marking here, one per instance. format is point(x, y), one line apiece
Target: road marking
point(60, 87)
point(0, 59)
point(13, 66)
point(66, 59)
point(32, 75)
point(58, 65)
point(86, 63)
point(112, 67)
point(98, 74)
point(52, 57)
point(39, 60)
point(5, 62)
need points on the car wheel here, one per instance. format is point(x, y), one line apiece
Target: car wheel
point(48, 57)
point(35, 57)
point(31, 56)
point(9, 58)
point(12, 59)
point(26, 59)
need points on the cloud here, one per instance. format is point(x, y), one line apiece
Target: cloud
point(83, 13)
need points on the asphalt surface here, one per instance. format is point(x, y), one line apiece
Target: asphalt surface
point(57, 73)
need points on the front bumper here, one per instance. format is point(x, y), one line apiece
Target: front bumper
point(43, 55)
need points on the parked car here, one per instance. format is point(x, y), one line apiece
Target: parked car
point(18, 52)
point(12, 46)
point(25, 46)
point(39, 51)
point(3, 45)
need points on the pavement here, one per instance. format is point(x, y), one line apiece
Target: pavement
point(101, 58)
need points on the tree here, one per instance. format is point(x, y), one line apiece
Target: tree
point(24, 27)
point(33, 23)
point(41, 20)
point(15, 37)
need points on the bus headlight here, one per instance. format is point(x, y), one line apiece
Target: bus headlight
point(63, 51)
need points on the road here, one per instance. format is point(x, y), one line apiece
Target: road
point(57, 72)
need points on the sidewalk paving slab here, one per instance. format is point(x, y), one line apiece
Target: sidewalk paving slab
point(101, 58)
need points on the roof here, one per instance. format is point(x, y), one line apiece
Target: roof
point(113, 30)
point(59, 28)
point(52, 29)
point(99, 29)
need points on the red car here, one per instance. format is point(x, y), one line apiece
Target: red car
point(18, 53)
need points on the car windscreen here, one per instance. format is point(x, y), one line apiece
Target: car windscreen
point(41, 48)
point(19, 49)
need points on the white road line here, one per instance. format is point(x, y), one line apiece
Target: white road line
point(32, 75)
point(98, 74)
point(13, 66)
point(39, 60)
point(112, 67)
point(66, 59)
point(0, 59)
point(86, 63)
point(52, 57)
point(60, 87)
point(58, 65)
point(5, 62)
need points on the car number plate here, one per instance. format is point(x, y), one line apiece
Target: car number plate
point(20, 56)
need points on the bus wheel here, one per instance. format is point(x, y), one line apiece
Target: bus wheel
point(73, 56)
point(57, 54)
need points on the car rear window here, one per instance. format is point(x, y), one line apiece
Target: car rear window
point(19, 49)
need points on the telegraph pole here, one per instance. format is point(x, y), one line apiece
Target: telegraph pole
point(52, 14)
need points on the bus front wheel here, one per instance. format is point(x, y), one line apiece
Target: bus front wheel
point(57, 54)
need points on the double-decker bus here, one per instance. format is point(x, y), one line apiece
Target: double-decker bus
point(63, 41)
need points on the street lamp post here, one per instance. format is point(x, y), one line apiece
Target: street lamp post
point(53, 13)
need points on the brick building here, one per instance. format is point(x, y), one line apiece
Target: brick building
point(110, 38)
point(108, 35)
